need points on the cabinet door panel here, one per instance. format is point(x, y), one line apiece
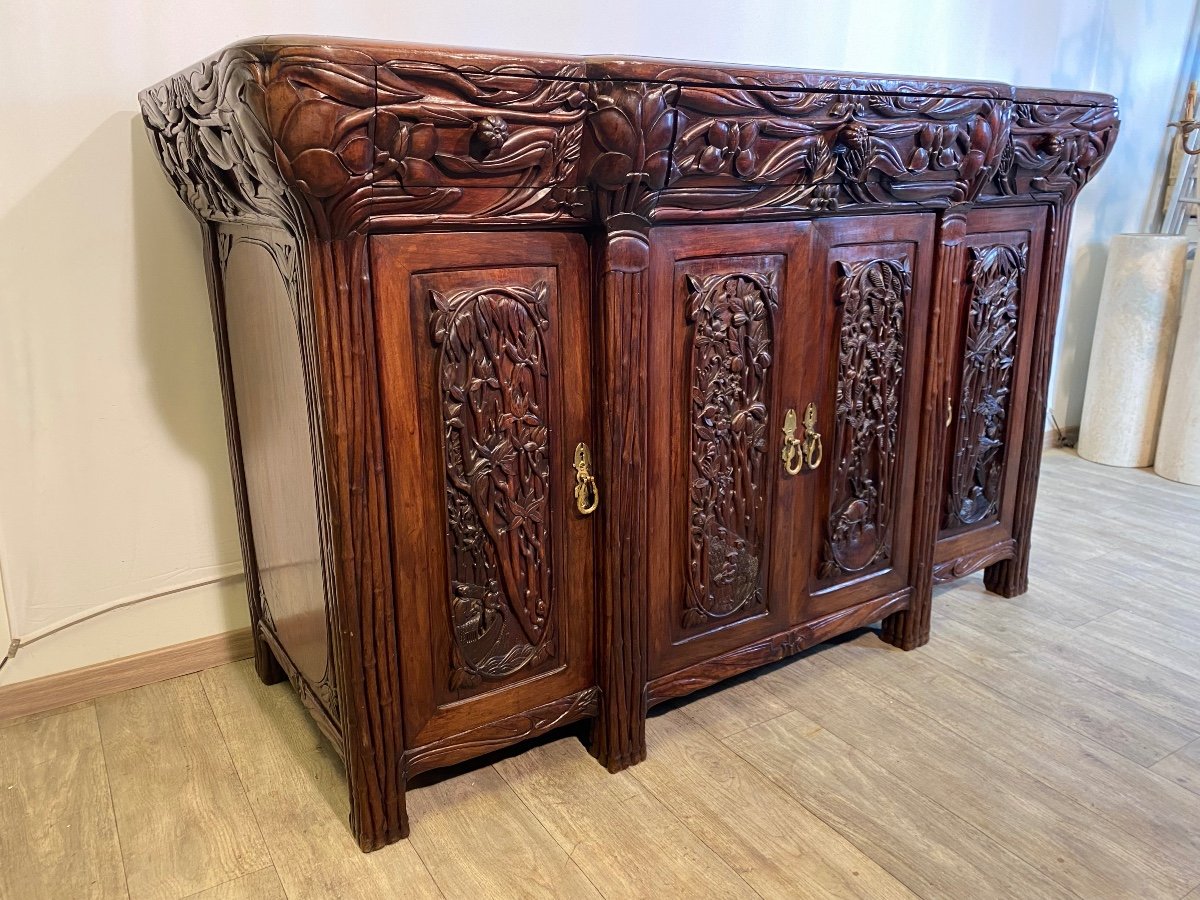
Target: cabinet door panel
point(727, 307)
point(874, 275)
point(485, 378)
point(995, 315)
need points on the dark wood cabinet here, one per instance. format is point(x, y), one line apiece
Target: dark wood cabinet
point(558, 387)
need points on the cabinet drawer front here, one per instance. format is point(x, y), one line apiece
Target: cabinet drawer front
point(995, 316)
point(725, 300)
point(485, 366)
point(876, 280)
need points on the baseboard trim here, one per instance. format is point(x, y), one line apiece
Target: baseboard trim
point(89, 682)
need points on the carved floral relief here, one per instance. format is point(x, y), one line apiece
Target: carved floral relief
point(989, 353)
point(495, 394)
point(873, 296)
point(731, 315)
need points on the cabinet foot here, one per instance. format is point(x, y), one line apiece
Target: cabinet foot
point(376, 824)
point(1009, 577)
point(617, 751)
point(265, 664)
point(908, 629)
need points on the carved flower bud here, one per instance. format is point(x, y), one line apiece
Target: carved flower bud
point(492, 132)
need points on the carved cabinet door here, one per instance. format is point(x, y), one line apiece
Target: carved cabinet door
point(994, 313)
point(871, 286)
point(485, 363)
point(733, 347)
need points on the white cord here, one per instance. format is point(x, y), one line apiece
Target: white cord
point(35, 636)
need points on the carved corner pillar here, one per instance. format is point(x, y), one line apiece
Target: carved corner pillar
point(909, 628)
point(627, 149)
point(366, 641)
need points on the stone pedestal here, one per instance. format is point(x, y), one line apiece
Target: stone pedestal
point(1131, 354)
point(1178, 456)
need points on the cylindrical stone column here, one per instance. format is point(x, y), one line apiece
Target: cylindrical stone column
point(1178, 456)
point(1131, 352)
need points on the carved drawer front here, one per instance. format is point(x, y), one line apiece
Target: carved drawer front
point(729, 324)
point(485, 374)
point(438, 132)
point(994, 316)
point(875, 285)
point(821, 150)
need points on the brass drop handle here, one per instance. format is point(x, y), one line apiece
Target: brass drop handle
point(949, 411)
point(814, 450)
point(587, 498)
point(793, 453)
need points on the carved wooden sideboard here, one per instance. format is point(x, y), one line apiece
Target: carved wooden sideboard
point(557, 387)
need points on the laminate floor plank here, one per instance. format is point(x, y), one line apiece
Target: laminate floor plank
point(1115, 721)
point(1135, 676)
point(184, 820)
point(778, 846)
point(936, 854)
point(478, 839)
point(58, 834)
point(1163, 817)
point(261, 885)
point(742, 704)
point(1182, 767)
point(297, 786)
point(1084, 853)
point(1169, 646)
point(627, 842)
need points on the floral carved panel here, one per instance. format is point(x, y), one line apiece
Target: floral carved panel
point(494, 393)
point(748, 150)
point(731, 318)
point(989, 352)
point(873, 296)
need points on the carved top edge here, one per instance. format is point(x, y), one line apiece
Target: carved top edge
point(328, 138)
point(359, 51)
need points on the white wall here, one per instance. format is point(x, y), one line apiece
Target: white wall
point(114, 482)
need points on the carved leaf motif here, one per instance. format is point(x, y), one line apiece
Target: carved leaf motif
point(873, 296)
point(631, 128)
point(994, 279)
point(731, 348)
point(495, 396)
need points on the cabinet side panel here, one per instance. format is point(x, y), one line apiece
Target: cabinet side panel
point(266, 357)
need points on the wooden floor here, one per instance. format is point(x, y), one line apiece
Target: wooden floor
point(1043, 747)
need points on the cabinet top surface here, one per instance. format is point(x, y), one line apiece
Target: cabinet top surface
point(352, 51)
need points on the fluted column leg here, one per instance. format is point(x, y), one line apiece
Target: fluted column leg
point(619, 735)
point(909, 629)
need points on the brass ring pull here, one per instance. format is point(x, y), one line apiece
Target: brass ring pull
point(793, 453)
point(587, 497)
point(814, 449)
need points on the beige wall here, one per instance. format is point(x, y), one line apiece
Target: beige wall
point(114, 482)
